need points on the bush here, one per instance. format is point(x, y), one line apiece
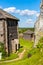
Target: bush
point(1, 47)
point(4, 54)
point(40, 43)
point(41, 40)
point(33, 51)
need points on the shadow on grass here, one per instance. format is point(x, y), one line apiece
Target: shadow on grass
point(21, 46)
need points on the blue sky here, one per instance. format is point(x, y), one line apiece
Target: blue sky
point(26, 10)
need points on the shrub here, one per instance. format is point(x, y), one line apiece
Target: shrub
point(1, 47)
point(4, 54)
point(33, 51)
point(40, 43)
point(41, 40)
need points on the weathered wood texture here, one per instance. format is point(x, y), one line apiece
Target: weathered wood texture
point(9, 31)
point(28, 35)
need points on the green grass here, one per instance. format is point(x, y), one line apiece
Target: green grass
point(12, 56)
point(20, 50)
point(36, 59)
point(36, 56)
point(25, 43)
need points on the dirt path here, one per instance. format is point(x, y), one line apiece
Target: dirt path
point(20, 57)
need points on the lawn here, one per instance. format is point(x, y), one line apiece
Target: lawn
point(35, 59)
point(26, 43)
point(12, 56)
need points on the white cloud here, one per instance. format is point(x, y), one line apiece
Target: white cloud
point(17, 11)
point(29, 21)
point(37, 15)
point(10, 9)
point(28, 12)
point(22, 12)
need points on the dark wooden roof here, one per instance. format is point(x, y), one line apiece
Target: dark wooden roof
point(28, 32)
point(4, 14)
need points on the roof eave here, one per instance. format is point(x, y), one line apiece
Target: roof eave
point(12, 19)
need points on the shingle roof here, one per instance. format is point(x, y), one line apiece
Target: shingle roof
point(28, 32)
point(7, 15)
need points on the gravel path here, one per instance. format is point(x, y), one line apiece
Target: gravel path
point(20, 57)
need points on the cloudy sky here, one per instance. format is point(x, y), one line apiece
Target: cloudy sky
point(26, 10)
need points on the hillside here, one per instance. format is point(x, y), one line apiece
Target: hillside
point(32, 56)
point(21, 30)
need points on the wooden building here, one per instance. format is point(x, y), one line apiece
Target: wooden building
point(9, 31)
point(28, 35)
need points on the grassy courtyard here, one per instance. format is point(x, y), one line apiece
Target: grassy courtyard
point(36, 57)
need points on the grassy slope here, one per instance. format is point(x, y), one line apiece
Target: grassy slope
point(25, 43)
point(35, 59)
